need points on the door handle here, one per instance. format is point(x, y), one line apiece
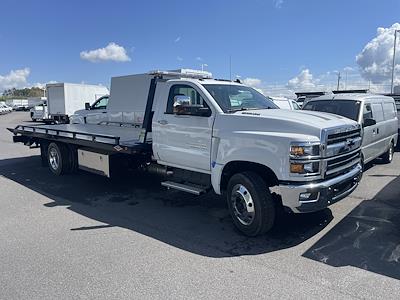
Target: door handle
point(162, 122)
point(377, 131)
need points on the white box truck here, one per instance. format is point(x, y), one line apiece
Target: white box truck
point(205, 134)
point(63, 99)
point(18, 104)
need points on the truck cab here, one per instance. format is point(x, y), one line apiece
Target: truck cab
point(224, 128)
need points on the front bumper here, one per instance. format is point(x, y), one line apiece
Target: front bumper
point(322, 194)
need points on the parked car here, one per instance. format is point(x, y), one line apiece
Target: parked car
point(375, 113)
point(4, 108)
point(203, 134)
point(286, 103)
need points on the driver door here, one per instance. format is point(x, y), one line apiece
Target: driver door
point(184, 137)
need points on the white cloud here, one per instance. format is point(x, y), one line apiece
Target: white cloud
point(253, 82)
point(348, 69)
point(303, 81)
point(198, 58)
point(14, 79)
point(177, 39)
point(375, 60)
point(278, 3)
point(112, 52)
point(178, 58)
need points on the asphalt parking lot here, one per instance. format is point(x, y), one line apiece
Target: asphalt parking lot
point(85, 236)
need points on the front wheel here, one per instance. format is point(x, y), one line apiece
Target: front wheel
point(250, 204)
point(387, 157)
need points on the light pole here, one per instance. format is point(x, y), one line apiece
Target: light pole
point(394, 58)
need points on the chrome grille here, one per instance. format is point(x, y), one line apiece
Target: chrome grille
point(342, 164)
point(342, 150)
point(343, 136)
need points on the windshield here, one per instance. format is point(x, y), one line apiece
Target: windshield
point(345, 108)
point(233, 98)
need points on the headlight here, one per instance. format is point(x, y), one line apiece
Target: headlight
point(304, 168)
point(304, 149)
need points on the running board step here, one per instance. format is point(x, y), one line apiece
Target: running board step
point(183, 187)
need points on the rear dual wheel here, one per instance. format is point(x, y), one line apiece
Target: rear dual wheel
point(61, 158)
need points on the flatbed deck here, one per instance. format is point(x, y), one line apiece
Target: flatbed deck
point(125, 139)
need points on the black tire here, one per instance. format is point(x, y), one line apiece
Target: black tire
point(73, 159)
point(263, 216)
point(43, 154)
point(387, 157)
point(58, 158)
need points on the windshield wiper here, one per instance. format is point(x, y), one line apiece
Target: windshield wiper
point(248, 108)
point(237, 109)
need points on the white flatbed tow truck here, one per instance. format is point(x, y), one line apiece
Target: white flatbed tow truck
point(206, 134)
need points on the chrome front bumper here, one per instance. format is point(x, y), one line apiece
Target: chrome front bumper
point(314, 196)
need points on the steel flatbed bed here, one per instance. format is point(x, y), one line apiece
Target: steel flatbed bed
point(112, 138)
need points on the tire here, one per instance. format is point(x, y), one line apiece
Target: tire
point(58, 158)
point(73, 159)
point(387, 157)
point(43, 154)
point(254, 214)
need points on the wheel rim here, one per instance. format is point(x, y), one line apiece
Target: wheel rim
point(243, 205)
point(54, 159)
point(391, 153)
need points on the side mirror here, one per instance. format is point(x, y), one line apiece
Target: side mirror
point(87, 106)
point(180, 103)
point(369, 122)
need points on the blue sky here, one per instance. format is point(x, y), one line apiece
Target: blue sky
point(271, 41)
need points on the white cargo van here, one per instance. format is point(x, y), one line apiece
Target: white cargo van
point(375, 113)
point(66, 98)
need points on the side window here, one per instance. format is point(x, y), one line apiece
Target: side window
point(196, 100)
point(101, 103)
point(378, 112)
point(389, 111)
point(367, 112)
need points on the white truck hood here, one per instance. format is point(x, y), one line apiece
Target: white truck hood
point(283, 122)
